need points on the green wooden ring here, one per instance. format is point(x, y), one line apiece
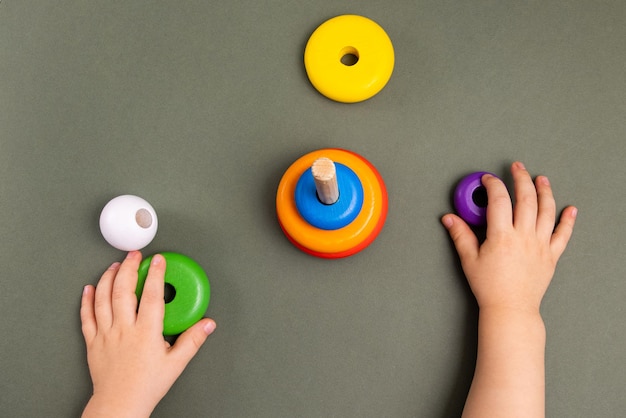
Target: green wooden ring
point(191, 287)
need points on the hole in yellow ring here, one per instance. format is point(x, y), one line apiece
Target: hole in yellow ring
point(349, 56)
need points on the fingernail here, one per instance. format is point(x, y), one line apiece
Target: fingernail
point(545, 180)
point(447, 221)
point(114, 266)
point(575, 212)
point(85, 289)
point(157, 259)
point(209, 327)
point(520, 165)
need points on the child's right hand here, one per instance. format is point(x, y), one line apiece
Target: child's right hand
point(514, 266)
point(509, 274)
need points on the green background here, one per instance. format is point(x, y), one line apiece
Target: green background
point(200, 106)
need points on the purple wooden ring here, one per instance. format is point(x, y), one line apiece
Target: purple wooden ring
point(470, 199)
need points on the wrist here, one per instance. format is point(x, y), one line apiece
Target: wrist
point(515, 310)
point(515, 320)
point(119, 407)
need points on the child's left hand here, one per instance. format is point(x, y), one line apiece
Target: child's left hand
point(131, 365)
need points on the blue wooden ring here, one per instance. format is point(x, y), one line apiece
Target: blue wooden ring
point(339, 214)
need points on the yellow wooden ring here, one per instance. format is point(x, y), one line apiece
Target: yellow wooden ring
point(355, 36)
point(339, 240)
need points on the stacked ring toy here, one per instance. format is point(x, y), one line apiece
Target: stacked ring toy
point(191, 291)
point(333, 230)
point(349, 58)
point(470, 199)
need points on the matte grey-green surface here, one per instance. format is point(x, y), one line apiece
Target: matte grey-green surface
point(200, 106)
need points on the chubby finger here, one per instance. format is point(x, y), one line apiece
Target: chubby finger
point(563, 231)
point(152, 304)
point(499, 208)
point(102, 298)
point(190, 341)
point(465, 241)
point(87, 314)
point(525, 212)
point(546, 208)
point(123, 298)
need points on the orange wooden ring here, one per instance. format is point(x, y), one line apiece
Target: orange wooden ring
point(345, 241)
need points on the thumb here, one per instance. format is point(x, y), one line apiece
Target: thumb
point(465, 241)
point(190, 341)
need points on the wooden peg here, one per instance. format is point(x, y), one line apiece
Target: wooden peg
point(325, 177)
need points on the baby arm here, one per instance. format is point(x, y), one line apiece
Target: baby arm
point(509, 275)
point(131, 365)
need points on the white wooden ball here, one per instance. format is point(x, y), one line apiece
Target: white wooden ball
point(128, 223)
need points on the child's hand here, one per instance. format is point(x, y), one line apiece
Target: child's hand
point(132, 367)
point(514, 266)
point(509, 274)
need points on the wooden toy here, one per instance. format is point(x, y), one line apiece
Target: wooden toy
point(338, 229)
point(189, 287)
point(349, 58)
point(470, 199)
point(128, 223)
